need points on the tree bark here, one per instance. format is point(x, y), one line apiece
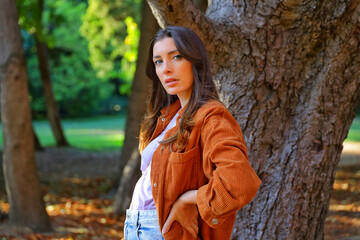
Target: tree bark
point(51, 107)
point(201, 4)
point(27, 207)
point(137, 106)
point(289, 72)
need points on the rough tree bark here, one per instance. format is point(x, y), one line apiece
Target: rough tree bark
point(289, 72)
point(27, 207)
point(137, 105)
point(51, 107)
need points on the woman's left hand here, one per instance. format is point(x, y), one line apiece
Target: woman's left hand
point(185, 211)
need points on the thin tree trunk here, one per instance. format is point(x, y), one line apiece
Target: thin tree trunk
point(51, 107)
point(289, 72)
point(137, 104)
point(37, 144)
point(27, 207)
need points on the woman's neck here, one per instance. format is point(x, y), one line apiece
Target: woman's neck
point(183, 100)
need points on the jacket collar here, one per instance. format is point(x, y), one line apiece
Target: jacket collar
point(167, 113)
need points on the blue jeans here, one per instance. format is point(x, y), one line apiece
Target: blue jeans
point(142, 225)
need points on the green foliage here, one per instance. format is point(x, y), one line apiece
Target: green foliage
point(30, 19)
point(29, 15)
point(77, 89)
point(110, 26)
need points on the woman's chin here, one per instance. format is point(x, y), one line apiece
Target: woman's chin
point(171, 92)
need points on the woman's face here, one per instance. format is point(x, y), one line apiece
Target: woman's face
point(173, 70)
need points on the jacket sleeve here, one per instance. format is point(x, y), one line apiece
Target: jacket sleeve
point(233, 183)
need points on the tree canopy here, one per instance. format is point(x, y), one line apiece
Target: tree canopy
point(113, 35)
point(92, 49)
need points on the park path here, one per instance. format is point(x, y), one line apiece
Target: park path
point(350, 155)
point(57, 163)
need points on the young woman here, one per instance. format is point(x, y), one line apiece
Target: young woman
point(196, 172)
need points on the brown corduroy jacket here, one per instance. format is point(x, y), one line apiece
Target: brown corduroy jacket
point(215, 162)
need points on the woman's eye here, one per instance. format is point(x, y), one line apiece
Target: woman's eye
point(157, 62)
point(176, 57)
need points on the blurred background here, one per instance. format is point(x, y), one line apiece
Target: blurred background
point(91, 51)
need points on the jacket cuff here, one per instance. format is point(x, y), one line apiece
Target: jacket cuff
point(205, 210)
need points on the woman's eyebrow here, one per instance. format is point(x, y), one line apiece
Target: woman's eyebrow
point(171, 52)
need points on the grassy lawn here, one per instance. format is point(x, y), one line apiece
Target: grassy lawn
point(96, 133)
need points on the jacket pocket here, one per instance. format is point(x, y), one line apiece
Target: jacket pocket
point(181, 173)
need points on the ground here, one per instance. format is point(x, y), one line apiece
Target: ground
point(76, 187)
point(343, 221)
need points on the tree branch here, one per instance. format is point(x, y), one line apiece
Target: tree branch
point(184, 13)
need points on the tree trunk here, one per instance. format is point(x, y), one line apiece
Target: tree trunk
point(137, 106)
point(51, 107)
point(2, 179)
point(27, 207)
point(289, 72)
point(201, 4)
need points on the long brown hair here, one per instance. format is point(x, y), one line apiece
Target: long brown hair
point(192, 49)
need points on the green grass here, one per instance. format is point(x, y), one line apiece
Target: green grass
point(97, 133)
point(354, 132)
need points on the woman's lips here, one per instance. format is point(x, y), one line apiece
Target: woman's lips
point(169, 80)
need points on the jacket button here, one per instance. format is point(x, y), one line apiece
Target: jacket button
point(163, 119)
point(215, 221)
point(155, 185)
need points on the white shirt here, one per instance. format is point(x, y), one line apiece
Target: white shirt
point(142, 197)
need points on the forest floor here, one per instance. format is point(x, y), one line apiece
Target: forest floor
point(76, 185)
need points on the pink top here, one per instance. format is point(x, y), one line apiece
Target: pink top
point(142, 197)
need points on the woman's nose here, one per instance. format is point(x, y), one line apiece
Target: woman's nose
point(168, 67)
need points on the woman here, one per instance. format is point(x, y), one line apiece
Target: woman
point(196, 172)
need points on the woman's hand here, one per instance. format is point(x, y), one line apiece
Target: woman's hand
point(185, 211)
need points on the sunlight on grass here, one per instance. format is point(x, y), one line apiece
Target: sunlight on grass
point(354, 132)
point(97, 133)
point(96, 142)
